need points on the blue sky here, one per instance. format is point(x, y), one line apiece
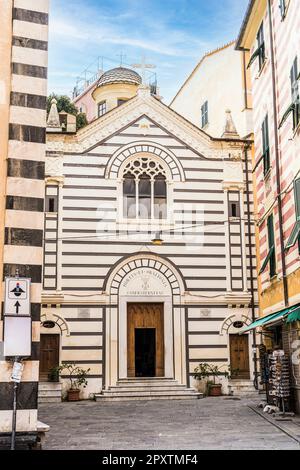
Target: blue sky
point(172, 34)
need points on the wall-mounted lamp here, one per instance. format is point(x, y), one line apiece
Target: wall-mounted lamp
point(157, 240)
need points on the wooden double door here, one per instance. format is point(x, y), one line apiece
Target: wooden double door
point(49, 354)
point(239, 356)
point(145, 340)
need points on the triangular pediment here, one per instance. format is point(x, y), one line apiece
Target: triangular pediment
point(142, 110)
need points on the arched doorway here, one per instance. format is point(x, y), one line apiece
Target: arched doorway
point(52, 328)
point(239, 350)
point(145, 326)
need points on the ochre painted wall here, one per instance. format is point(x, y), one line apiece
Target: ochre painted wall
point(111, 94)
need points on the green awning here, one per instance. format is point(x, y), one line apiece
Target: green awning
point(267, 319)
point(294, 315)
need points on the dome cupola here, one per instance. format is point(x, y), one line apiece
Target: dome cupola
point(114, 88)
point(120, 75)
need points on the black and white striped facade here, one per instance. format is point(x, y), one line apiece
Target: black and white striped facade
point(24, 218)
point(95, 261)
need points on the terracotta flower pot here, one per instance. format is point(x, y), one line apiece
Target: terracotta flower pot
point(73, 395)
point(215, 390)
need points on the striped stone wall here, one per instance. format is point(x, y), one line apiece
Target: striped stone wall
point(94, 239)
point(286, 40)
point(24, 219)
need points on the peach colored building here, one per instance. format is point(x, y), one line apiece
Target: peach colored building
point(271, 32)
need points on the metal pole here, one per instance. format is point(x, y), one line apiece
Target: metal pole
point(14, 418)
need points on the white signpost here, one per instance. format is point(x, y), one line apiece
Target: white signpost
point(17, 296)
point(17, 333)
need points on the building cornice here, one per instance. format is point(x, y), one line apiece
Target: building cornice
point(253, 17)
point(143, 104)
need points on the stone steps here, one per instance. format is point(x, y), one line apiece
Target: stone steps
point(156, 388)
point(49, 392)
point(243, 388)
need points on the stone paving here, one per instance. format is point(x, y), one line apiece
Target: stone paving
point(210, 423)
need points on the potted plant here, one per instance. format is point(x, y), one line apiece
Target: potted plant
point(53, 375)
point(77, 378)
point(207, 371)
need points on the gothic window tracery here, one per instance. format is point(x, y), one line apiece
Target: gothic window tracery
point(144, 189)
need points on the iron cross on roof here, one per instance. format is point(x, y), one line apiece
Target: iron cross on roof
point(122, 56)
point(144, 66)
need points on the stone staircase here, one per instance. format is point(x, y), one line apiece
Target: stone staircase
point(49, 392)
point(152, 388)
point(242, 388)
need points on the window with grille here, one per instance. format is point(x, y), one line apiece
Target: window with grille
point(144, 190)
point(101, 108)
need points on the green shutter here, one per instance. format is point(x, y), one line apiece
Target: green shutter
point(271, 238)
point(266, 145)
point(265, 263)
point(255, 55)
point(294, 236)
point(282, 7)
point(290, 110)
point(297, 197)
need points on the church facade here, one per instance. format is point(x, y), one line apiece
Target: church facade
point(149, 254)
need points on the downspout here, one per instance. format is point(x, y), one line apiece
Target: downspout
point(245, 79)
point(277, 159)
point(251, 267)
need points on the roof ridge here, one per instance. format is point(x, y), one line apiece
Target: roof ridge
point(207, 54)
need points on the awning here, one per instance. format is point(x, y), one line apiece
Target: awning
point(268, 319)
point(294, 315)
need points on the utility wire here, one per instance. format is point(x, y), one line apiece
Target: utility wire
point(167, 231)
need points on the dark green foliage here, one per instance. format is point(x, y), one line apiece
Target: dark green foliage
point(64, 103)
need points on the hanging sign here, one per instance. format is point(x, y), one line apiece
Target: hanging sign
point(17, 296)
point(16, 375)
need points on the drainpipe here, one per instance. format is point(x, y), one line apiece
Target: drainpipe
point(245, 80)
point(277, 159)
point(251, 267)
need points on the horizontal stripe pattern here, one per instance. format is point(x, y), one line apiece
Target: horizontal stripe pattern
point(30, 43)
point(28, 100)
point(25, 184)
point(23, 14)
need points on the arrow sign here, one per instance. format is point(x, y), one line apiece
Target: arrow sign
point(17, 296)
point(17, 305)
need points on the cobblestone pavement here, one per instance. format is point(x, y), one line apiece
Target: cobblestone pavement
point(210, 423)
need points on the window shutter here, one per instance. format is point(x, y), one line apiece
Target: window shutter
point(282, 7)
point(265, 263)
point(266, 145)
point(297, 197)
point(290, 110)
point(254, 56)
point(294, 236)
point(272, 246)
